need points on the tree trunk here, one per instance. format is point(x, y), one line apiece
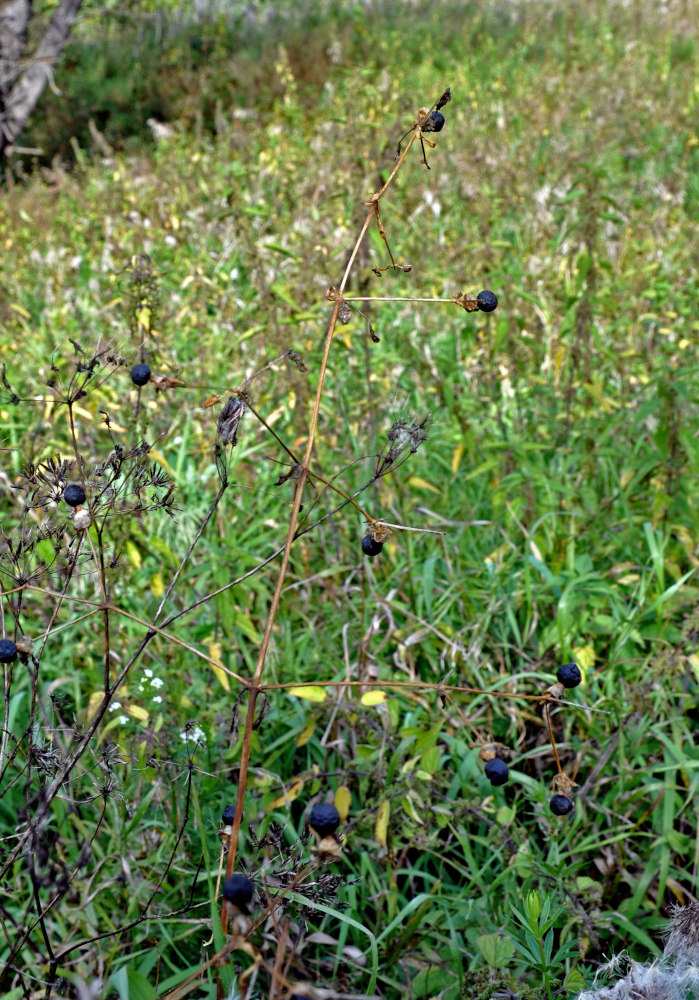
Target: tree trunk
point(22, 81)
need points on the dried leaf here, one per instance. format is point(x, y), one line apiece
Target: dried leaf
point(290, 795)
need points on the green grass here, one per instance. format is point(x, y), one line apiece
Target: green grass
point(562, 467)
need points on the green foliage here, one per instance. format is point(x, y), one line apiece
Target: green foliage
point(561, 467)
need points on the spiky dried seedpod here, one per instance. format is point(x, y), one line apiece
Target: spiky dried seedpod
point(74, 495)
point(25, 645)
point(8, 651)
point(238, 890)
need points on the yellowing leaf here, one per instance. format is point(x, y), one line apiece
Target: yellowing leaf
point(585, 658)
point(93, 704)
point(20, 310)
point(308, 731)
point(144, 317)
point(381, 825)
point(422, 484)
point(343, 801)
point(311, 693)
point(456, 458)
point(291, 793)
point(215, 652)
point(136, 712)
point(157, 587)
point(133, 554)
point(374, 697)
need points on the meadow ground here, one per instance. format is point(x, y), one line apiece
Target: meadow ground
point(554, 498)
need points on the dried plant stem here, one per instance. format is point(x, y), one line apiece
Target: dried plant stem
point(254, 685)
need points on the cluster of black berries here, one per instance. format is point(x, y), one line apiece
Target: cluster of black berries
point(497, 771)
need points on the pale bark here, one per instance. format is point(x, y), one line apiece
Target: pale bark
point(22, 77)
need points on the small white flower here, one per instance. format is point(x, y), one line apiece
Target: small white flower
point(114, 706)
point(157, 698)
point(157, 682)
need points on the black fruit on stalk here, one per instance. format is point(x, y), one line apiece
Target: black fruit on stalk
point(324, 819)
point(8, 651)
point(487, 301)
point(74, 495)
point(140, 374)
point(239, 890)
point(497, 771)
point(370, 547)
point(569, 675)
point(560, 805)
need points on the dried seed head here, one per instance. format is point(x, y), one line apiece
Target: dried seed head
point(489, 751)
point(344, 314)
point(444, 99)
point(400, 437)
point(229, 419)
point(563, 785)
point(82, 519)
point(683, 941)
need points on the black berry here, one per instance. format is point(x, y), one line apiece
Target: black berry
point(140, 374)
point(560, 805)
point(74, 495)
point(324, 819)
point(228, 814)
point(497, 771)
point(238, 889)
point(434, 123)
point(8, 651)
point(370, 547)
point(569, 675)
point(299, 996)
point(487, 301)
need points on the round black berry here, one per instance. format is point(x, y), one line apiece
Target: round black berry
point(497, 771)
point(238, 889)
point(370, 547)
point(560, 805)
point(228, 814)
point(324, 819)
point(299, 996)
point(487, 301)
point(140, 374)
point(74, 495)
point(569, 675)
point(435, 122)
point(8, 651)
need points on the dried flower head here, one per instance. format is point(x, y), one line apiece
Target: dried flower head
point(401, 437)
point(229, 419)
